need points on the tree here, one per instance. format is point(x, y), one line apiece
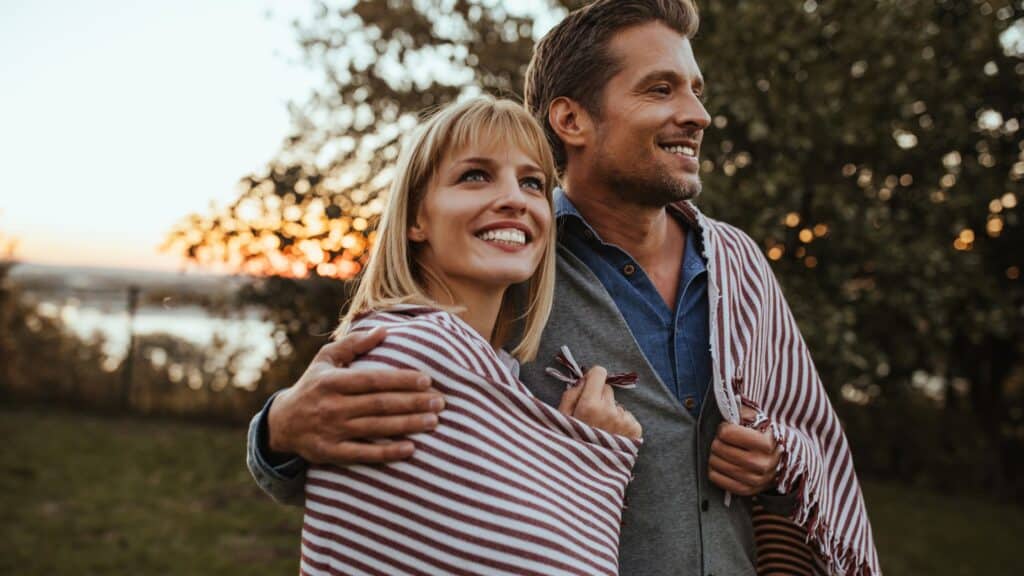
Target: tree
point(872, 148)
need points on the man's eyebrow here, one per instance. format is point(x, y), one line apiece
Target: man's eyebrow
point(670, 76)
point(662, 75)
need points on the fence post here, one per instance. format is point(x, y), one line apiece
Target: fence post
point(129, 358)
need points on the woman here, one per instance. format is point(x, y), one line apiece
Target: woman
point(505, 484)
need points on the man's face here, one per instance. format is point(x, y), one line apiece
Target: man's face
point(646, 142)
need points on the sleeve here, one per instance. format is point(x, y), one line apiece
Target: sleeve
point(281, 480)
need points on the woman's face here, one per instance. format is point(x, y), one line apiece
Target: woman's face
point(485, 219)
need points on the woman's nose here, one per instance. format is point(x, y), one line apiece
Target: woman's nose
point(512, 197)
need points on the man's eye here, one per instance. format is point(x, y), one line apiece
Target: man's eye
point(662, 89)
point(532, 183)
point(473, 176)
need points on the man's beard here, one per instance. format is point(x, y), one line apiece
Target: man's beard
point(654, 187)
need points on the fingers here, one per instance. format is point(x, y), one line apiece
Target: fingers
point(757, 463)
point(592, 396)
point(343, 453)
point(569, 400)
point(746, 438)
point(390, 426)
point(632, 428)
point(364, 381)
point(735, 473)
point(730, 485)
point(391, 403)
point(747, 414)
point(343, 351)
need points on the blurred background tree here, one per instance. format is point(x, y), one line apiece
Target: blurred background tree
point(872, 148)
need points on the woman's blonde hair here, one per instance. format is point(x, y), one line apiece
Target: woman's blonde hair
point(393, 275)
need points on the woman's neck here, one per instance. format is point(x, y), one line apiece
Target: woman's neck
point(480, 304)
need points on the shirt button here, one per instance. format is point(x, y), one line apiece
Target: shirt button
point(690, 403)
point(588, 234)
point(628, 269)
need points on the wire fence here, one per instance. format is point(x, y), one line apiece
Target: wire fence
point(134, 348)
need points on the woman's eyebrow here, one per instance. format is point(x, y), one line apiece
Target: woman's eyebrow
point(491, 162)
point(477, 160)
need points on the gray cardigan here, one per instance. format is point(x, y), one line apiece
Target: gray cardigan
point(675, 521)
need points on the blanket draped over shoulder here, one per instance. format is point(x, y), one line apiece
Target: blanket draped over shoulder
point(504, 485)
point(761, 361)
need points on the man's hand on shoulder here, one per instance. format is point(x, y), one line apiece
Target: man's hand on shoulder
point(339, 415)
point(743, 460)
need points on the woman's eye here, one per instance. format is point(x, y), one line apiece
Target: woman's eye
point(473, 176)
point(532, 183)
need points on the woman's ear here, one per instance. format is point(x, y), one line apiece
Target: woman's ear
point(416, 233)
point(570, 121)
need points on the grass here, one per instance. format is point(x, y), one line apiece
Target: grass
point(89, 495)
point(92, 495)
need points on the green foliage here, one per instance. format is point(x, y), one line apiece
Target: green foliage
point(304, 313)
point(873, 148)
point(893, 129)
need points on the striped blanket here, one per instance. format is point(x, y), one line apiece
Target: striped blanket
point(504, 485)
point(760, 360)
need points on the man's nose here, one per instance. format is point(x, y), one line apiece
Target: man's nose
point(691, 112)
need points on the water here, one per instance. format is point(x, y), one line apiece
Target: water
point(93, 302)
point(247, 333)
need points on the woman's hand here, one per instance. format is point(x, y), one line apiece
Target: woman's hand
point(593, 402)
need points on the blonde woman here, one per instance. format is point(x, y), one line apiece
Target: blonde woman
point(504, 484)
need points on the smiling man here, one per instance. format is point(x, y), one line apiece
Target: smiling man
point(733, 412)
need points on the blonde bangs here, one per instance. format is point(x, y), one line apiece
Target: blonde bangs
point(509, 120)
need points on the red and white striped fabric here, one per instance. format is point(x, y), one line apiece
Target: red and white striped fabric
point(761, 360)
point(504, 485)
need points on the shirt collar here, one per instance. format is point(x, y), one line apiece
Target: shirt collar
point(565, 210)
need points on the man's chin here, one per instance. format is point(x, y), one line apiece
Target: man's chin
point(691, 191)
point(686, 188)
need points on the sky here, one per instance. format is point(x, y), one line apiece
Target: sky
point(121, 117)
point(118, 118)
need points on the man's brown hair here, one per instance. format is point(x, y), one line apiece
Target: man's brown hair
point(573, 59)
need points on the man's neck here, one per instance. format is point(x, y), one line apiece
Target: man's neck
point(642, 231)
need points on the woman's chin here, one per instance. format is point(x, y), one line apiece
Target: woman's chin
point(504, 276)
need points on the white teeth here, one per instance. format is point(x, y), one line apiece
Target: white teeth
point(506, 235)
point(684, 150)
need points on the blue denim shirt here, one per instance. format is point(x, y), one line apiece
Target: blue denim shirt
point(676, 343)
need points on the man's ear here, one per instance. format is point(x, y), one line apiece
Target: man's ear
point(570, 121)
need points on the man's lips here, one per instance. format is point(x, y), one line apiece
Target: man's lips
point(688, 148)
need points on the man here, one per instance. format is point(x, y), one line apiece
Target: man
point(645, 284)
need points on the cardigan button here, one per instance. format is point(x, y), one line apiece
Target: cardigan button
point(628, 269)
point(704, 505)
